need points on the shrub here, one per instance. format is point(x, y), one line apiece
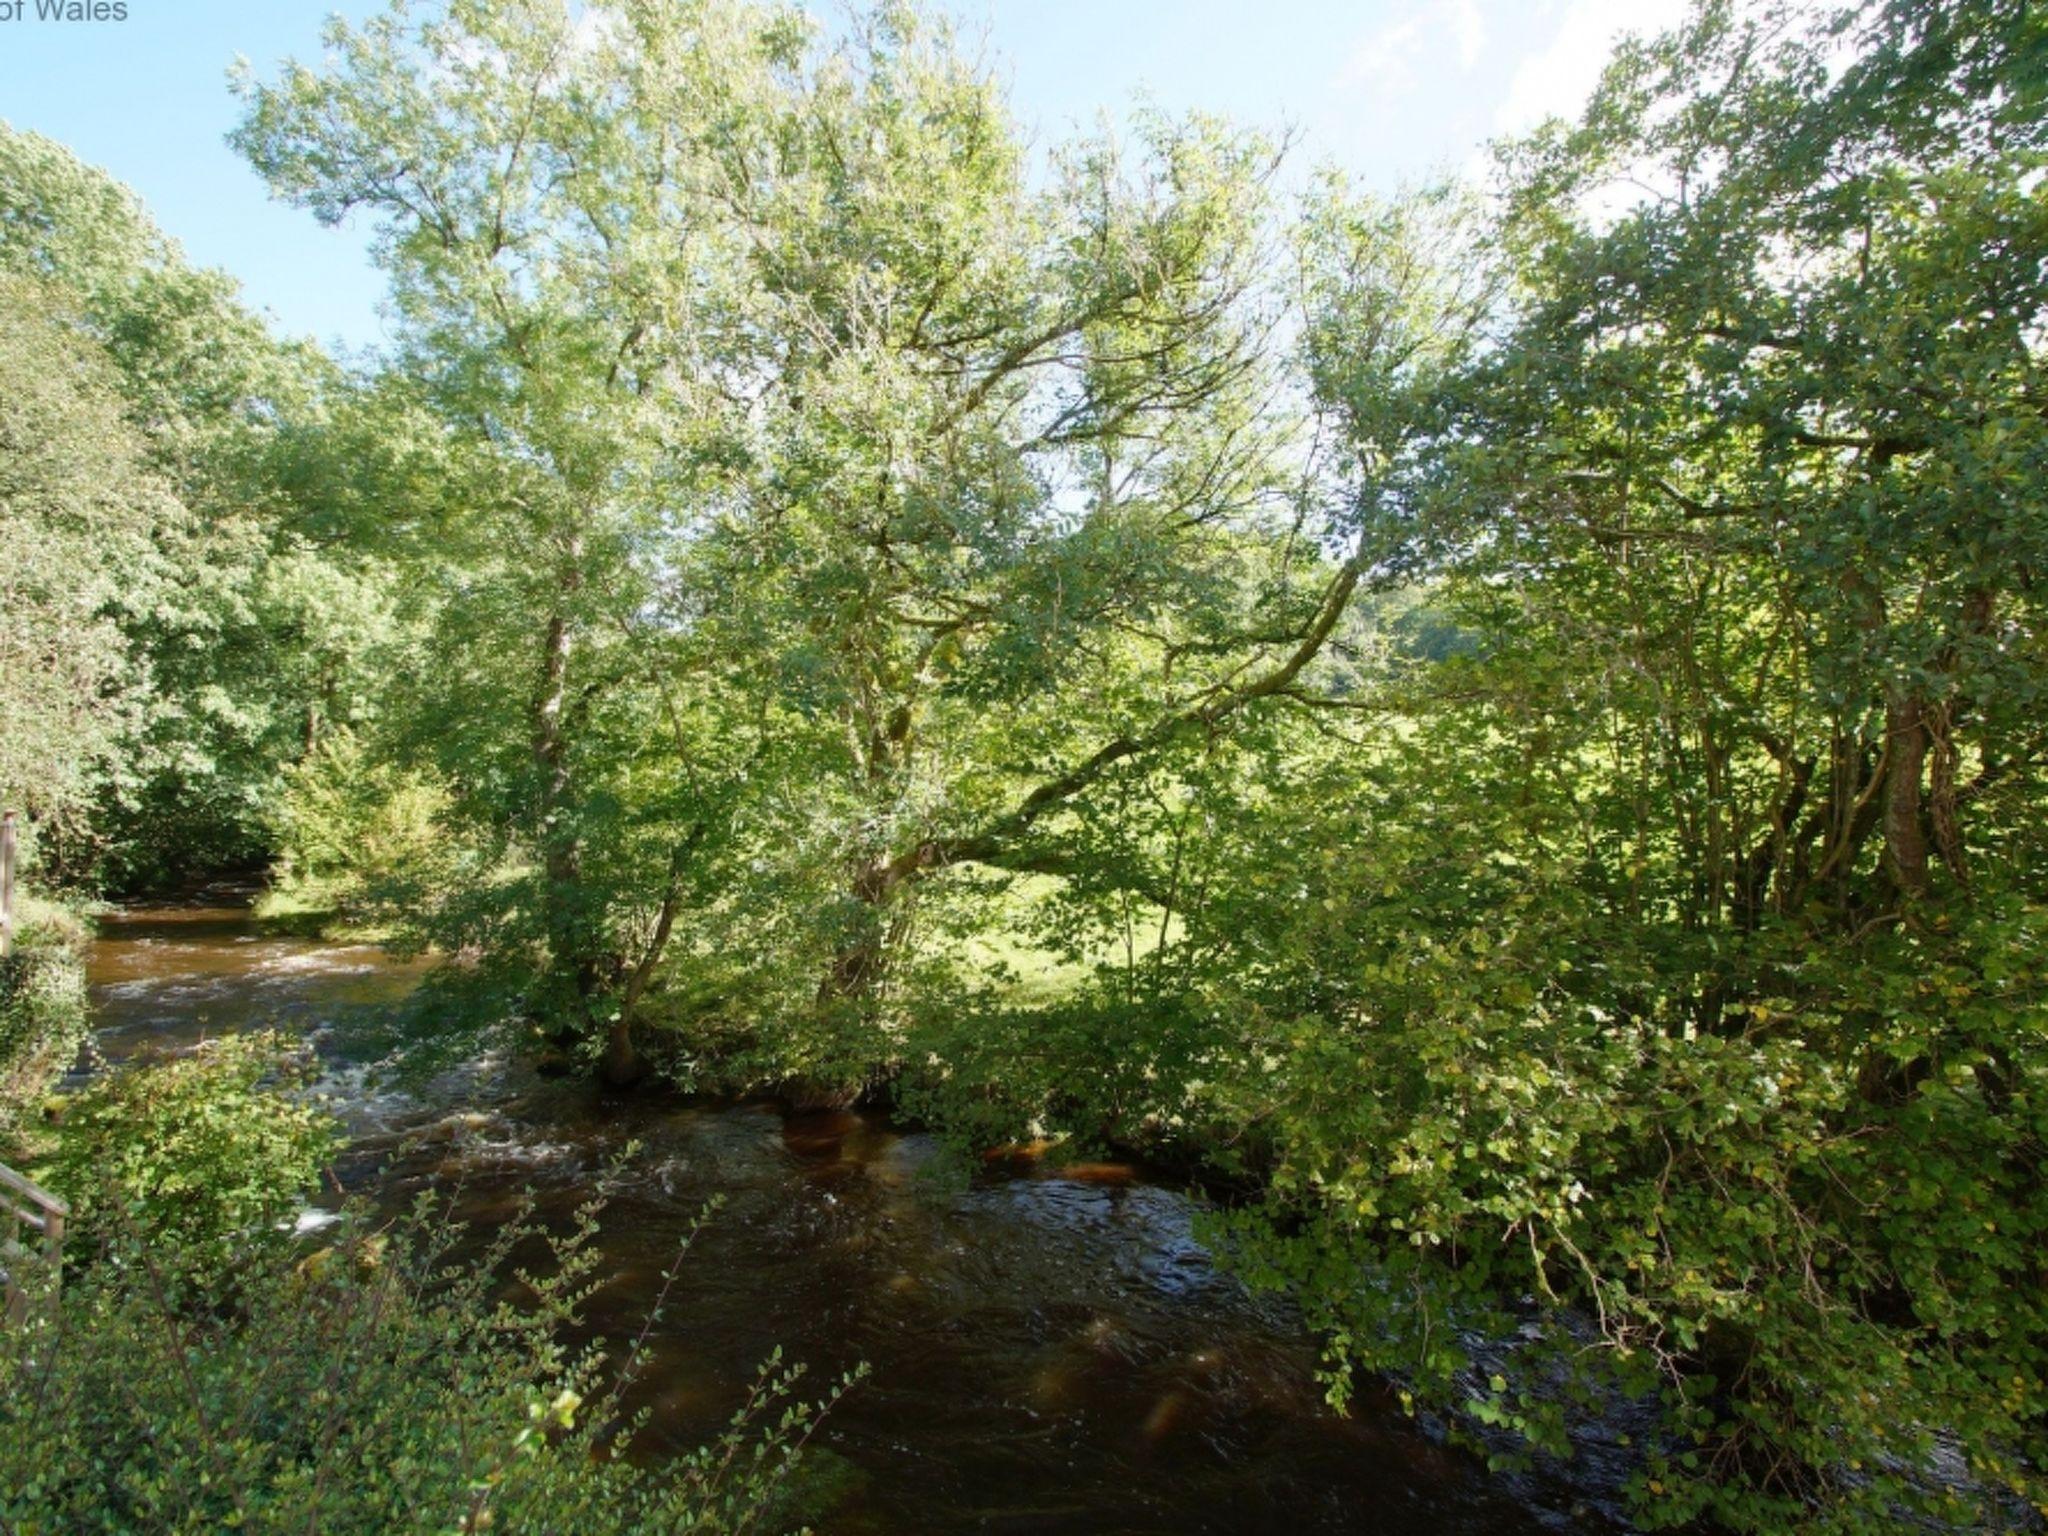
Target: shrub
point(42, 1007)
point(203, 1156)
point(355, 836)
point(385, 1384)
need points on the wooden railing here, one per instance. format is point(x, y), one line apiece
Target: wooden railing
point(31, 1219)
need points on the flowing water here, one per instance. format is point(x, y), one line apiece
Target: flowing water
point(1050, 1351)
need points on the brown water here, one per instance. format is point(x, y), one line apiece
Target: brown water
point(1049, 1353)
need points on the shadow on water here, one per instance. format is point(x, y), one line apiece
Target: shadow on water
point(1050, 1352)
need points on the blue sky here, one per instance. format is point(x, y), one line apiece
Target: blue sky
point(1391, 89)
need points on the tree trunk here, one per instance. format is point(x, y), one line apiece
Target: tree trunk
point(859, 967)
point(561, 856)
point(1905, 832)
point(570, 945)
point(1944, 802)
point(623, 1064)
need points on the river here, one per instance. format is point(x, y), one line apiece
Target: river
point(1049, 1352)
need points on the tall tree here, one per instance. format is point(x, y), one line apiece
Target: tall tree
point(1037, 503)
point(801, 404)
point(560, 284)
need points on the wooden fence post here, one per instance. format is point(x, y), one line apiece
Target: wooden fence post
point(26, 1204)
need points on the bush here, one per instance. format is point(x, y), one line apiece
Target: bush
point(42, 1007)
point(355, 836)
point(382, 1385)
point(201, 1370)
point(203, 1156)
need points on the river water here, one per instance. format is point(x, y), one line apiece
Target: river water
point(1049, 1351)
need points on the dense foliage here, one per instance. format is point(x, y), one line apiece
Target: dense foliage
point(206, 1368)
point(1675, 957)
point(1502, 721)
point(209, 1154)
point(180, 623)
point(42, 1009)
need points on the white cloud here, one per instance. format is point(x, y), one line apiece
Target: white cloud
point(1389, 57)
point(1556, 81)
point(1381, 56)
point(1470, 31)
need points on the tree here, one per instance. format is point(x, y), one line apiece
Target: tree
point(79, 508)
point(1679, 964)
point(224, 621)
point(1036, 506)
point(562, 298)
point(752, 337)
point(1808, 361)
